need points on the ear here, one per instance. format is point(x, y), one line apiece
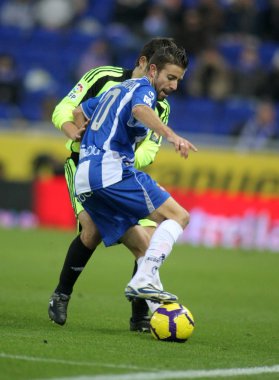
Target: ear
point(152, 70)
point(143, 62)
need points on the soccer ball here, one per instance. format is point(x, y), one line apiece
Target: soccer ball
point(172, 322)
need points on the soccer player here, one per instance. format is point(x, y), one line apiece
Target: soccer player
point(94, 83)
point(112, 191)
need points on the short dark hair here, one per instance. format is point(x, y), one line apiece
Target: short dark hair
point(153, 45)
point(169, 55)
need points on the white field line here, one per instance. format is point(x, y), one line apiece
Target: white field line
point(68, 362)
point(190, 374)
point(154, 375)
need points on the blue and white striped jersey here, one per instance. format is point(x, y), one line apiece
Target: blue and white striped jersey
point(107, 148)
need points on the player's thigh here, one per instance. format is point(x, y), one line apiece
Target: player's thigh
point(170, 209)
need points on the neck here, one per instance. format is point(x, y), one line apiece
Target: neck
point(137, 73)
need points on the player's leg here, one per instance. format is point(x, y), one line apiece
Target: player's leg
point(173, 219)
point(137, 243)
point(140, 319)
point(78, 254)
point(116, 212)
point(80, 251)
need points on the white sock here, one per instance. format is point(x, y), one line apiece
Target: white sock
point(159, 249)
point(157, 281)
point(153, 306)
point(140, 260)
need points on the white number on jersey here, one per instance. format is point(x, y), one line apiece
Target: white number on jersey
point(107, 102)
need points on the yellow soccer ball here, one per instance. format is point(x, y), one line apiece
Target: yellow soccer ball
point(172, 322)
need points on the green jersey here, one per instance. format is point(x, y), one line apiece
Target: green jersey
point(94, 83)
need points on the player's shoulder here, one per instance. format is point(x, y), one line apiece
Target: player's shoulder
point(145, 82)
point(101, 71)
point(138, 84)
point(144, 85)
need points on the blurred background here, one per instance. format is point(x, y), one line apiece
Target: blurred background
point(227, 104)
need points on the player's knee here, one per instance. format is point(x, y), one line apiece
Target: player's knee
point(187, 218)
point(90, 236)
point(91, 239)
point(183, 218)
point(89, 233)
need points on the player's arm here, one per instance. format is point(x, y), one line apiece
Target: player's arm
point(79, 117)
point(91, 84)
point(82, 114)
point(62, 116)
point(147, 116)
point(146, 151)
point(76, 128)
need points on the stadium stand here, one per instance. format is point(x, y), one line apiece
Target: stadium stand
point(57, 51)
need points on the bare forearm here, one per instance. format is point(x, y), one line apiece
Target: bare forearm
point(148, 117)
point(79, 118)
point(70, 129)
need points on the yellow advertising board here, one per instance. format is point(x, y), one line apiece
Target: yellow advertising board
point(19, 150)
point(215, 169)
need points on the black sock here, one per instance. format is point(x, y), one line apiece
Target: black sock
point(135, 268)
point(139, 306)
point(76, 259)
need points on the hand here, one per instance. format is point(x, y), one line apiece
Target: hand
point(182, 145)
point(80, 132)
point(72, 131)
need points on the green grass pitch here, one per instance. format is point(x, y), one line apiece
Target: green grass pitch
point(233, 295)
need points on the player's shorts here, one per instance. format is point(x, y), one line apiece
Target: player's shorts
point(70, 170)
point(116, 208)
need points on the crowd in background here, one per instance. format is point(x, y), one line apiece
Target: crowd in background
point(233, 45)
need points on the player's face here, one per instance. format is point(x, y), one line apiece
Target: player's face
point(166, 81)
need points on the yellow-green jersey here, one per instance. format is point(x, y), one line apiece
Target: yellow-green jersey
point(94, 83)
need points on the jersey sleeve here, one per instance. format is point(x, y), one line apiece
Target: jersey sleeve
point(63, 112)
point(146, 152)
point(93, 83)
point(88, 107)
point(144, 95)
